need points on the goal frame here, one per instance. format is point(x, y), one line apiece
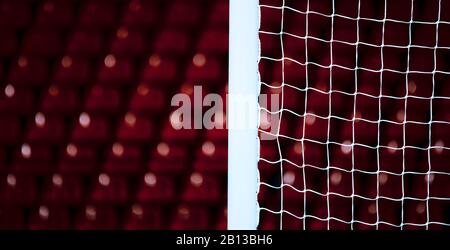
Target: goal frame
point(243, 152)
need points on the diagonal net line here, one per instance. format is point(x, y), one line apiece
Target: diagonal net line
point(281, 162)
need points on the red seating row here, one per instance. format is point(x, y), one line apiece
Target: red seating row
point(136, 216)
point(22, 189)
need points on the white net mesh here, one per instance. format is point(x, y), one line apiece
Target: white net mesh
point(361, 137)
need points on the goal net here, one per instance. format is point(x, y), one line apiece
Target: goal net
point(361, 138)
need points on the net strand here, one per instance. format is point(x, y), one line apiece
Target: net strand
point(379, 110)
point(281, 114)
point(431, 113)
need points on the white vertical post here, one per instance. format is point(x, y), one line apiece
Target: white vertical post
point(243, 211)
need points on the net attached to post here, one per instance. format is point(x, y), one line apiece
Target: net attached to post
point(359, 136)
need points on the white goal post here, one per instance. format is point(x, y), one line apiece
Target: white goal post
point(243, 211)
